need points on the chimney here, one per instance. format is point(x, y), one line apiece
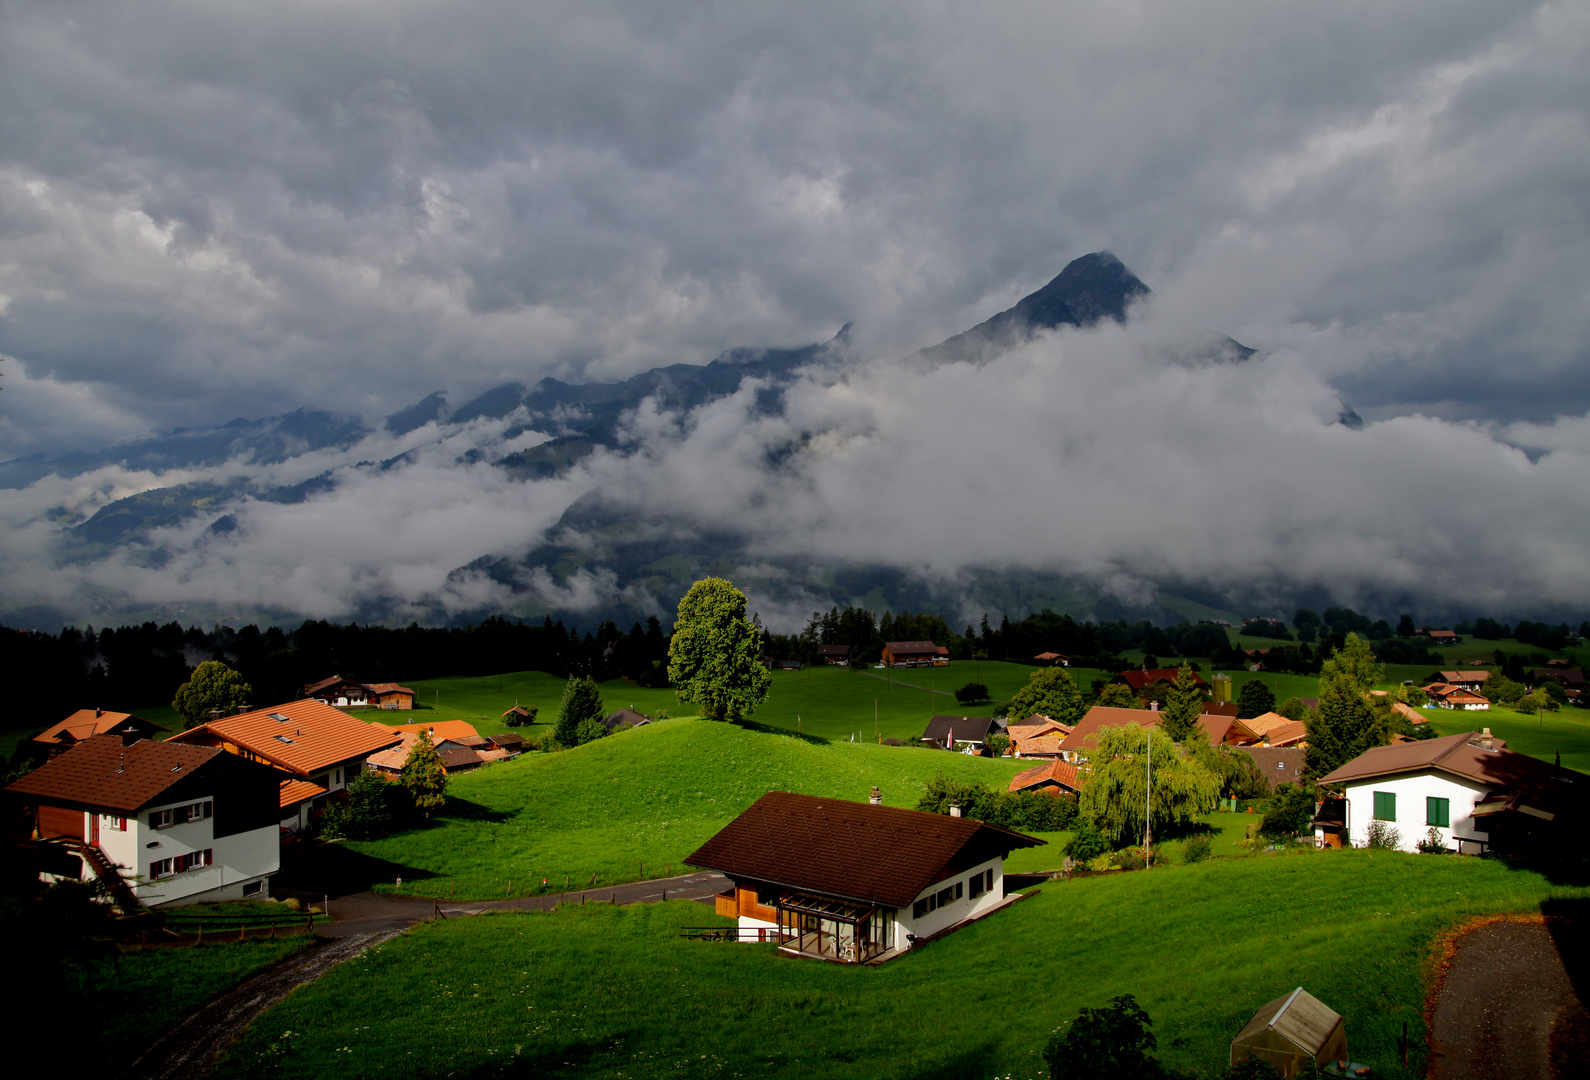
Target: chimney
point(129, 735)
point(98, 712)
point(955, 809)
point(876, 798)
point(1486, 740)
point(1153, 706)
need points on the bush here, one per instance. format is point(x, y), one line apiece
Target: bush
point(1088, 844)
point(1291, 812)
point(1432, 844)
point(1104, 1044)
point(972, 691)
point(1383, 836)
point(1197, 848)
point(375, 806)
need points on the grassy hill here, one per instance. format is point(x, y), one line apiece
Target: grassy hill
point(632, 805)
point(605, 991)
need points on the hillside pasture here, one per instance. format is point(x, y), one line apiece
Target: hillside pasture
point(607, 991)
point(633, 805)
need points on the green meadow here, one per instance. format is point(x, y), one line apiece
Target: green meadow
point(615, 992)
point(635, 804)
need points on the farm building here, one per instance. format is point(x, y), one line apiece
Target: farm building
point(1053, 659)
point(519, 715)
point(1444, 696)
point(1052, 778)
point(339, 692)
point(1474, 793)
point(855, 882)
point(1445, 637)
point(838, 655)
point(1141, 680)
point(620, 717)
point(912, 654)
point(88, 722)
point(159, 822)
point(1295, 1035)
point(319, 749)
point(389, 695)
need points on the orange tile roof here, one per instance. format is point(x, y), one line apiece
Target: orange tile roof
point(1061, 772)
point(1039, 745)
point(295, 791)
point(1290, 733)
point(389, 688)
point(310, 735)
point(83, 723)
point(439, 729)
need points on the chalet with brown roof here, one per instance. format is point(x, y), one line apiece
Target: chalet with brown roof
point(622, 717)
point(519, 713)
point(837, 655)
point(1053, 659)
point(1142, 680)
point(308, 740)
point(1444, 696)
point(339, 692)
point(1445, 637)
point(1468, 680)
point(966, 733)
point(1054, 777)
point(158, 822)
point(911, 654)
point(1474, 793)
point(456, 757)
point(389, 695)
point(855, 882)
point(87, 722)
point(1074, 747)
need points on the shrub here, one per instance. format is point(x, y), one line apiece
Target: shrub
point(1108, 1043)
point(1291, 811)
point(1197, 848)
point(972, 691)
point(375, 806)
point(1088, 844)
point(998, 743)
point(1433, 843)
point(1384, 836)
point(1130, 859)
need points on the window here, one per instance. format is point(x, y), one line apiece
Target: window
point(1438, 812)
point(160, 868)
point(253, 888)
point(192, 812)
point(975, 887)
point(113, 823)
point(958, 893)
point(282, 739)
point(767, 896)
point(192, 861)
point(160, 819)
point(946, 896)
point(990, 879)
point(1385, 806)
point(278, 717)
point(923, 906)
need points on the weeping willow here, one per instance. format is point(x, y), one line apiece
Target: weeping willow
point(1113, 795)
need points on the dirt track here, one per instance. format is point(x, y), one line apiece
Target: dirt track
point(1506, 987)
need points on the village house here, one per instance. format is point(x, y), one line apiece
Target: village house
point(339, 692)
point(1054, 777)
point(1445, 637)
point(966, 733)
point(1468, 680)
point(1444, 696)
point(912, 654)
point(1140, 680)
point(389, 695)
point(1074, 746)
point(87, 722)
point(1476, 794)
point(1037, 737)
point(1053, 659)
point(1267, 729)
point(1279, 765)
point(836, 655)
point(158, 822)
point(620, 717)
point(456, 756)
point(854, 882)
point(318, 750)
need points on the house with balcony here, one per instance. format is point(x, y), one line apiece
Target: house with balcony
point(855, 882)
point(159, 822)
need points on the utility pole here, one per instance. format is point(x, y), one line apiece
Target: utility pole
point(875, 734)
point(1148, 797)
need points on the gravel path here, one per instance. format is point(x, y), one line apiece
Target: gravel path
point(1505, 988)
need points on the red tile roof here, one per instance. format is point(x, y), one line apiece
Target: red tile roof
point(1059, 772)
point(85, 722)
point(439, 729)
point(389, 688)
point(853, 851)
point(301, 737)
point(1215, 727)
point(911, 648)
point(1465, 676)
point(1138, 680)
point(102, 773)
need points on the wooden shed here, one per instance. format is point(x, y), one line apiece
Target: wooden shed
point(1294, 1035)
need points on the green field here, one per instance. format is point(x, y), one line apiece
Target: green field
point(1543, 735)
point(605, 991)
point(633, 805)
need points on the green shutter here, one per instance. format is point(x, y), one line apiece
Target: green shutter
point(1385, 806)
point(1438, 812)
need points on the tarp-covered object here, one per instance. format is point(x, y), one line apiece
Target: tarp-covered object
point(1293, 1035)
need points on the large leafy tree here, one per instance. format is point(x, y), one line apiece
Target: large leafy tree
point(715, 657)
point(1049, 692)
point(1184, 704)
point(1114, 796)
point(1254, 699)
point(1348, 720)
point(1118, 696)
point(581, 707)
point(213, 685)
point(424, 776)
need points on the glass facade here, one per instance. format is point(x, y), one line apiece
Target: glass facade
point(836, 929)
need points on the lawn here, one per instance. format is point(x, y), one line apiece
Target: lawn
point(633, 805)
point(1542, 735)
point(607, 991)
point(165, 984)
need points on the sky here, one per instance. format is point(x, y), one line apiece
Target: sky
point(222, 210)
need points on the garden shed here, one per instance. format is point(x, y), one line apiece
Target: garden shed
point(1294, 1035)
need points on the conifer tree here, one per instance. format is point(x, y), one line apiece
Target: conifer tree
point(582, 701)
point(1348, 720)
point(1184, 704)
point(424, 776)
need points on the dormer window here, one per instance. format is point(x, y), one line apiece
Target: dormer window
point(278, 717)
point(282, 739)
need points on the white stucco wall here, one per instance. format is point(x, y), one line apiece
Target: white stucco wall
point(1411, 791)
point(956, 911)
point(236, 860)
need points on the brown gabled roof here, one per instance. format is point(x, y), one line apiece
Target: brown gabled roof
point(1059, 772)
point(85, 722)
point(1402, 708)
point(1139, 680)
point(911, 648)
point(1105, 716)
point(1458, 755)
point(964, 728)
point(1465, 676)
point(103, 773)
point(507, 740)
point(517, 710)
point(1278, 764)
point(1039, 746)
point(1036, 727)
point(389, 688)
point(325, 684)
point(1051, 656)
point(301, 737)
point(1287, 734)
point(1443, 633)
point(848, 850)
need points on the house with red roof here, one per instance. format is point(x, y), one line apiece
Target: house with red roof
point(1053, 777)
point(913, 654)
point(855, 882)
point(159, 822)
point(317, 749)
point(1447, 696)
point(1140, 680)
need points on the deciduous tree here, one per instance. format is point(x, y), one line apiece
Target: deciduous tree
point(1119, 696)
point(1049, 692)
point(1114, 796)
point(1111, 1043)
point(213, 685)
point(714, 660)
point(424, 775)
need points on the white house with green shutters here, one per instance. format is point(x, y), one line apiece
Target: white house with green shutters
point(1470, 789)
